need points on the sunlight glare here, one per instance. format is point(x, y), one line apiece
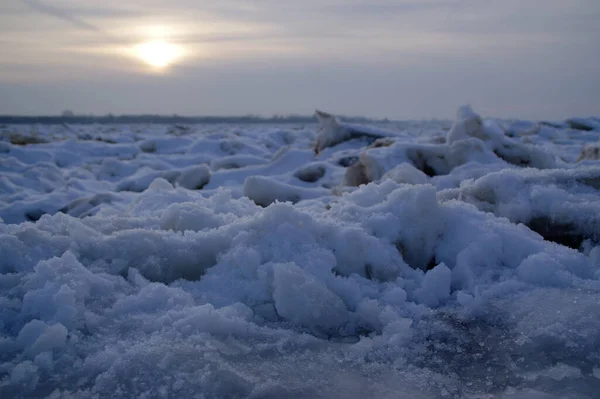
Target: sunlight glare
point(158, 54)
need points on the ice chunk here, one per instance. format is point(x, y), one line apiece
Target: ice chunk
point(193, 177)
point(332, 131)
point(26, 375)
point(366, 170)
point(302, 299)
point(585, 124)
point(590, 152)
point(311, 173)
point(595, 259)
point(435, 288)
point(467, 124)
point(541, 269)
point(160, 184)
point(561, 205)
point(237, 161)
point(145, 177)
point(84, 206)
point(189, 216)
point(406, 173)
point(265, 191)
point(150, 298)
point(165, 145)
point(37, 337)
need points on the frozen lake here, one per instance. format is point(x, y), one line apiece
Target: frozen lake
point(404, 259)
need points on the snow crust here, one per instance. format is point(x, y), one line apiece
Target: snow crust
point(440, 260)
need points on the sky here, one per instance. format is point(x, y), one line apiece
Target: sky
point(401, 59)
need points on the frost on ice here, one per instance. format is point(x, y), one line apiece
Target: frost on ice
point(426, 259)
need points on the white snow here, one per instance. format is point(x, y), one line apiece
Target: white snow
point(440, 261)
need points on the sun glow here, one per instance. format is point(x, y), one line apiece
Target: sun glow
point(158, 54)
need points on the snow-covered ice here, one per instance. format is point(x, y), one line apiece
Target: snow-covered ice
point(408, 259)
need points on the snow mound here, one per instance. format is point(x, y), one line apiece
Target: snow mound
point(470, 140)
point(585, 124)
point(563, 205)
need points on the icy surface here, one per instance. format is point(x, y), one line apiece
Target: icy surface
point(415, 259)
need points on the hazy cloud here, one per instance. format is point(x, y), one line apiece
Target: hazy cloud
point(61, 14)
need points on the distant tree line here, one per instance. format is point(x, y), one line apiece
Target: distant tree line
point(68, 117)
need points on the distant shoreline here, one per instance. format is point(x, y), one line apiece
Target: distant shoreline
point(163, 119)
point(586, 124)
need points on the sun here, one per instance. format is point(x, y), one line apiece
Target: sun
point(158, 54)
